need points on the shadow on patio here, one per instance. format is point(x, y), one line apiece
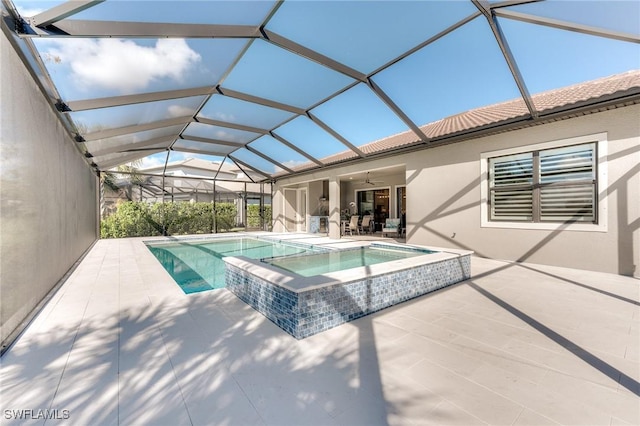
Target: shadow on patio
point(516, 344)
point(208, 360)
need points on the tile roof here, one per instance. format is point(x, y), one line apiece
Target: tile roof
point(506, 112)
point(587, 91)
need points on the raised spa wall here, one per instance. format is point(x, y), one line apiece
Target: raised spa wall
point(304, 306)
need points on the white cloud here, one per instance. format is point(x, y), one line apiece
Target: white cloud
point(179, 111)
point(225, 136)
point(124, 65)
point(225, 116)
point(221, 116)
point(153, 161)
point(25, 11)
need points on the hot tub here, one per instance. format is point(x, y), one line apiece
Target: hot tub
point(305, 305)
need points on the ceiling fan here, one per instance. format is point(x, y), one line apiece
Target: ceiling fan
point(368, 181)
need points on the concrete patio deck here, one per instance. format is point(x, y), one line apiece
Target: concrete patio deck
point(518, 344)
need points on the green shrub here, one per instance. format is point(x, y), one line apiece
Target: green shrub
point(253, 215)
point(131, 219)
point(225, 216)
point(139, 219)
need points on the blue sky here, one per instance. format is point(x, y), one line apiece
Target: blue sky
point(463, 70)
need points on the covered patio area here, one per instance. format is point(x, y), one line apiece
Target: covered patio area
point(119, 343)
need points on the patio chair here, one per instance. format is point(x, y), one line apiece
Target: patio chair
point(352, 226)
point(391, 227)
point(366, 225)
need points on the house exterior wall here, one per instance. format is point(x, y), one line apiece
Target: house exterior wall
point(443, 193)
point(277, 209)
point(48, 195)
point(318, 205)
point(444, 197)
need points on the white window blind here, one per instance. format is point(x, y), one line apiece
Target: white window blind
point(554, 185)
point(512, 187)
point(567, 164)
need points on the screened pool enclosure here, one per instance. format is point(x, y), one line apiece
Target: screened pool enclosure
point(266, 90)
point(189, 117)
point(276, 88)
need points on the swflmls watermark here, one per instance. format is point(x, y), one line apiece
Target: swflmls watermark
point(39, 414)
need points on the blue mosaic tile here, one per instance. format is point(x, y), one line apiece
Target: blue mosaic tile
point(307, 313)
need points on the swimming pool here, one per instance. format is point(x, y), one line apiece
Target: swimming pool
point(306, 285)
point(198, 266)
point(309, 265)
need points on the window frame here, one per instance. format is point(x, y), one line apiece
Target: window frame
point(600, 186)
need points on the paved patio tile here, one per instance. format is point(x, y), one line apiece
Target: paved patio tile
point(120, 343)
point(479, 401)
point(559, 407)
point(531, 418)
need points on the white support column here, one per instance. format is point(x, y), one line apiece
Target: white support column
point(334, 207)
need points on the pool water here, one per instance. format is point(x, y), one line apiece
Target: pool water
point(198, 265)
point(332, 261)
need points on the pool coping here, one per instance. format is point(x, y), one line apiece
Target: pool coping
point(298, 283)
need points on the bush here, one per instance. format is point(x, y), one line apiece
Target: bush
point(225, 216)
point(186, 218)
point(139, 219)
point(253, 215)
point(131, 219)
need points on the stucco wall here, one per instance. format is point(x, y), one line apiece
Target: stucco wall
point(444, 200)
point(443, 193)
point(318, 205)
point(48, 208)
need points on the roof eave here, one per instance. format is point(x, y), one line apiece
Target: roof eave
point(618, 99)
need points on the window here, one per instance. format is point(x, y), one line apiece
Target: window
point(511, 187)
point(556, 185)
point(547, 185)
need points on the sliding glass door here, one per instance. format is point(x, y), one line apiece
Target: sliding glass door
point(374, 202)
